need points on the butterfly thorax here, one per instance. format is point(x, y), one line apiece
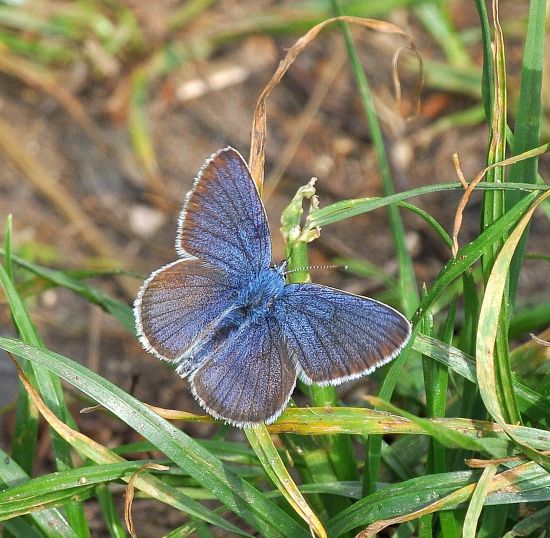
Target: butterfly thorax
point(256, 298)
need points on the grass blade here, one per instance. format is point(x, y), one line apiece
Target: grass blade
point(477, 501)
point(261, 442)
point(528, 119)
point(407, 279)
point(234, 492)
point(495, 292)
point(26, 417)
point(51, 521)
point(50, 388)
point(119, 310)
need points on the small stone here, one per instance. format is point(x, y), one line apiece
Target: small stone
point(146, 221)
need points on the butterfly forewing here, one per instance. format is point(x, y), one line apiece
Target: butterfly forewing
point(250, 378)
point(336, 336)
point(223, 221)
point(178, 304)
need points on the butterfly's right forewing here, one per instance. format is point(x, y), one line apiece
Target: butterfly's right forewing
point(336, 336)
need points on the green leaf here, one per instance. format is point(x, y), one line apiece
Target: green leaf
point(531, 402)
point(346, 209)
point(532, 523)
point(49, 387)
point(448, 437)
point(528, 120)
point(413, 498)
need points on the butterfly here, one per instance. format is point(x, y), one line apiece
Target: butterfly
point(224, 317)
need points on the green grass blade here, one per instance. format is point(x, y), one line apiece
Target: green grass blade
point(487, 84)
point(539, 520)
point(471, 252)
point(119, 310)
point(26, 418)
point(465, 258)
point(407, 279)
point(19, 528)
point(528, 120)
point(534, 404)
point(437, 408)
point(57, 488)
point(346, 209)
point(418, 496)
point(446, 436)
point(261, 442)
point(8, 264)
point(154, 487)
point(477, 501)
point(50, 520)
point(50, 388)
point(529, 319)
point(491, 310)
point(374, 443)
point(437, 22)
point(234, 492)
point(492, 209)
point(109, 512)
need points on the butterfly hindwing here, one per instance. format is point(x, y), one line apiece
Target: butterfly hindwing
point(223, 221)
point(177, 304)
point(250, 378)
point(336, 336)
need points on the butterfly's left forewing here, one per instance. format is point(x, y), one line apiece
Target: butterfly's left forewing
point(336, 336)
point(223, 221)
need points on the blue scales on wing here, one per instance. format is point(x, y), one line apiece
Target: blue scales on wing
point(250, 378)
point(336, 336)
point(223, 221)
point(179, 305)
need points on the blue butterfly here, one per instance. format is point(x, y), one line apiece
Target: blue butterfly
point(223, 315)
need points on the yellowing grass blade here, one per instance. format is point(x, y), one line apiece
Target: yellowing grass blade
point(261, 442)
point(488, 325)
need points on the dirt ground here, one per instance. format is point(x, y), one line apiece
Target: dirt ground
point(188, 122)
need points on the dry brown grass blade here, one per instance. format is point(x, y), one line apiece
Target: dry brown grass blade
point(505, 481)
point(540, 341)
point(168, 414)
point(475, 463)
point(320, 91)
point(129, 497)
point(54, 191)
point(37, 78)
point(259, 123)
point(472, 185)
point(458, 168)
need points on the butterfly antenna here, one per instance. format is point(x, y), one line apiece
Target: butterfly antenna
point(310, 267)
